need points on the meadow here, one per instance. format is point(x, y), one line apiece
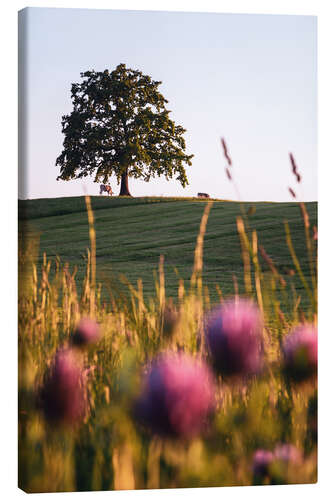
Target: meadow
point(132, 233)
point(101, 258)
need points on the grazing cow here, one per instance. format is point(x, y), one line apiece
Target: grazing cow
point(105, 188)
point(203, 195)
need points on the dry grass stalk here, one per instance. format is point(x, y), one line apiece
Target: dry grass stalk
point(86, 285)
point(257, 271)
point(236, 287)
point(122, 461)
point(292, 192)
point(282, 318)
point(153, 464)
point(270, 264)
point(141, 304)
point(245, 255)
point(198, 253)
point(308, 242)
point(162, 282)
point(312, 296)
point(92, 237)
point(219, 292)
point(225, 151)
point(305, 215)
point(294, 168)
point(227, 171)
point(181, 290)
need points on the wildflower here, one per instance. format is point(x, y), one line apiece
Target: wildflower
point(63, 395)
point(262, 459)
point(300, 352)
point(287, 453)
point(87, 332)
point(272, 466)
point(178, 396)
point(234, 337)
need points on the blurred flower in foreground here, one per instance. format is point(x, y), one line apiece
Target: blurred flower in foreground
point(63, 394)
point(262, 459)
point(286, 463)
point(287, 453)
point(87, 332)
point(300, 352)
point(234, 337)
point(178, 396)
point(272, 466)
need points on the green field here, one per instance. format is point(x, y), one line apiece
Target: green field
point(132, 233)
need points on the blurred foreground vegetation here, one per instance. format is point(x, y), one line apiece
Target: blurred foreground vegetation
point(109, 450)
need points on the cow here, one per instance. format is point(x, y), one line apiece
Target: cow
point(105, 188)
point(203, 195)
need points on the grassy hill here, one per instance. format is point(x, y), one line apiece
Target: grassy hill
point(132, 233)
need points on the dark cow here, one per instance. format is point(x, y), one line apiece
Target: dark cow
point(105, 188)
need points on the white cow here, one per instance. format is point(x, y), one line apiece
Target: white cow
point(105, 188)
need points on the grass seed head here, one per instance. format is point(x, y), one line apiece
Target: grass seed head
point(292, 192)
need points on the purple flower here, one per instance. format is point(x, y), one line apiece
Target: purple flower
point(63, 395)
point(274, 465)
point(178, 396)
point(234, 337)
point(262, 459)
point(287, 453)
point(87, 332)
point(300, 352)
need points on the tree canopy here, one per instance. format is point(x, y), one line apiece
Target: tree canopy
point(120, 125)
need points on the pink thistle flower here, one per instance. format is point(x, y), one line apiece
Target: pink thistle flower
point(87, 332)
point(274, 465)
point(300, 352)
point(262, 460)
point(178, 396)
point(63, 395)
point(287, 453)
point(234, 337)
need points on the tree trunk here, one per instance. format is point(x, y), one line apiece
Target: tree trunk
point(124, 191)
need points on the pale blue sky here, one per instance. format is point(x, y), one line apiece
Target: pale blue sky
point(250, 78)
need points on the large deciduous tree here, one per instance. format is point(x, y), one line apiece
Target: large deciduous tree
point(119, 125)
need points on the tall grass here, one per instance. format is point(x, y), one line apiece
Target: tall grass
point(109, 450)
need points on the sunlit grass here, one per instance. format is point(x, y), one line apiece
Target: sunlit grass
point(108, 450)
